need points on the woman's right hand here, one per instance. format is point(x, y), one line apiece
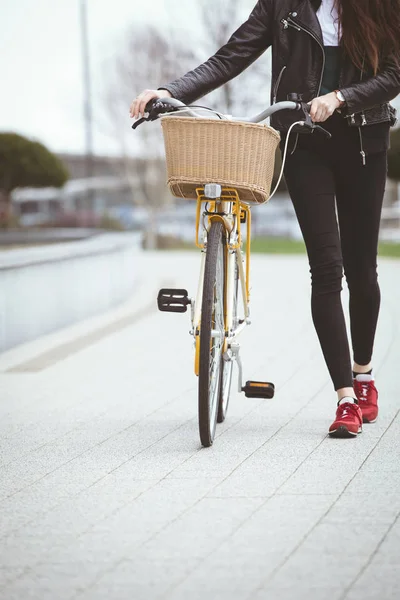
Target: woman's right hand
point(138, 106)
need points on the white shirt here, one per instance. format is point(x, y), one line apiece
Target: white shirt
point(329, 20)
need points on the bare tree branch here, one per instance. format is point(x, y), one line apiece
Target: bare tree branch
point(218, 19)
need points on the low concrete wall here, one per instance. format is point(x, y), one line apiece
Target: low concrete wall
point(46, 288)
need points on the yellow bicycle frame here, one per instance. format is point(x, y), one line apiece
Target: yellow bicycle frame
point(241, 211)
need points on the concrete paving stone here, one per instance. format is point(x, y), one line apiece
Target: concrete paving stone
point(257, 547)
point(270, 465)
point(333, 554)
point(113, 538)
point(371, 507)
point(154, 509)
point(218, 520)
point(134, 579)
point(84, 430)
point(313, 475)
point(101, 396)
point(388, 551)
point(162, 458)
point(338, 539)
point(9, 574)
point(40, 587)
point(75, 516)
point(375, 482)
point(26, 504)
point(20, 552)
point(97, 461)
point(377, 581)
point(125, 529)
point(310, 592)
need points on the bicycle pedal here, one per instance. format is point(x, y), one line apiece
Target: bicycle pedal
point(173, 300)
point(258, 389)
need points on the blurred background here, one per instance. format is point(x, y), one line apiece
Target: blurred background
point(70, 70)
point(71, 168)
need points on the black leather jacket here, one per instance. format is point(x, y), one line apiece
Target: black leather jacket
point(292, 28)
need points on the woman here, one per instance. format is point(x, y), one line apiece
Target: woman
point(343, 57)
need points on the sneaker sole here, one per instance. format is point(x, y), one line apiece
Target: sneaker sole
point(343, 432)
point(365, 420)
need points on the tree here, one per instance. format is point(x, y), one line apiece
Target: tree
point(25, 163)
point(394, 156)
point(248, 93)
point(149, 58)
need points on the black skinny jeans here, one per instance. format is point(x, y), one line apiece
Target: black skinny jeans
point(318, 171)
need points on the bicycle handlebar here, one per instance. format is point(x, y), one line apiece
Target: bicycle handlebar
point(159, 106)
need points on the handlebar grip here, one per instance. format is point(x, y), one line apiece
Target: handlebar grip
point(149, 106)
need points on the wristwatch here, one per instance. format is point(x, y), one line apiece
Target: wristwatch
point(340, 97)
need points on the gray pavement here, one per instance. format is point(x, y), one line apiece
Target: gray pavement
point(105, 491)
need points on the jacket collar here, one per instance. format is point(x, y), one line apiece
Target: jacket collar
point(306, 16)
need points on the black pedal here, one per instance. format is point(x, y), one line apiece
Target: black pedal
point(171, 300)
point(259, 389)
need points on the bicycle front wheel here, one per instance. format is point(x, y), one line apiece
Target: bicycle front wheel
point(212, 333)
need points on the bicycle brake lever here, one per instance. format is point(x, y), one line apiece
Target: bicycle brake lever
point(322, 130)
point(139, 122)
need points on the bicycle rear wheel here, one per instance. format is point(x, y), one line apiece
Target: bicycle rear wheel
point(212, 333)
point(227, 366)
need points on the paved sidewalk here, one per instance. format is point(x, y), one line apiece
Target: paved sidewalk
point(105, 492)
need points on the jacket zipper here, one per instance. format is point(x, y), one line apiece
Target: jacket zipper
point(363, 122)
point(289, 22)
point(278, 81)
point(363, 156)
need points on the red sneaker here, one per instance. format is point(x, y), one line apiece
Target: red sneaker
point(348, 422)
point(367, 396)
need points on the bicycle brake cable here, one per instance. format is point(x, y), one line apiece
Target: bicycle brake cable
point(283, 161)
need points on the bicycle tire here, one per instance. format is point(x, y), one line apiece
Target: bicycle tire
point(212, 318)
point(227, 366)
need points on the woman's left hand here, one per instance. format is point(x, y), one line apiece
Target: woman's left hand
point(323, 107)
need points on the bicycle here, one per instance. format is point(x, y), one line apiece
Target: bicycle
point(216, 321)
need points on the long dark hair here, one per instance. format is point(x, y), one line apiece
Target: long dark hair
point(370, 30)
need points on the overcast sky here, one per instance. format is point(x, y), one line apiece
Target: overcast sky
point(41, 92)
point(40, 63)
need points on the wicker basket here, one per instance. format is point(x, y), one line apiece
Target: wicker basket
point(234, 154)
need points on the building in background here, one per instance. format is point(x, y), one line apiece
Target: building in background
point(114, 191)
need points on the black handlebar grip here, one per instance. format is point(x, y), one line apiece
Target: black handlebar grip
point(149, 106)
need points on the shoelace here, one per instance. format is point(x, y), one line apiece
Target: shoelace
point(362, 389)
point(345, 410)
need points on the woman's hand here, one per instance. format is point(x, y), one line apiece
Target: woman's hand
point(323, 107)
point(138, 106)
